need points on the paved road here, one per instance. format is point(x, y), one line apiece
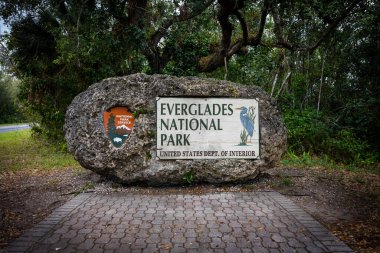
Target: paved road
point(220, 222)
point(13, 127)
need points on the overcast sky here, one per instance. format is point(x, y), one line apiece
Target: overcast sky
point(3, 27)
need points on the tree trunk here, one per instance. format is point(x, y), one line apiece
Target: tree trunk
point(320, 86)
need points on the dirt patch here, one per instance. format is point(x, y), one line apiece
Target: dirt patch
point(345, 202)
point(27, 197)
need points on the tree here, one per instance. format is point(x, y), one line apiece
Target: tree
point(355, 95)
point(9, 111)
point(150, 23)
point(60, 47)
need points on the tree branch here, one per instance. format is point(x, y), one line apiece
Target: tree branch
point(283, 43)
point(278, 30)
point(333, 25)
point(118, 11)
point(157, 57)
point(136, 10)
point(227, 27)
point(183, 16)
point(243, 26)
point(226, 50)
point(254, 41)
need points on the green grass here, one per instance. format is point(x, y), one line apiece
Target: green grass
point(306, 160)
point(19, 150)
point(287, 181)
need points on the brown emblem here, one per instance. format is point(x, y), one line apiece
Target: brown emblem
point(118, 123)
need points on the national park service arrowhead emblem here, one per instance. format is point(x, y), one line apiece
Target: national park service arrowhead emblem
point(118, 123)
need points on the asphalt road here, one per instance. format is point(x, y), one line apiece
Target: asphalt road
point(9, 128)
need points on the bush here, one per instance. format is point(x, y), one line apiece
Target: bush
point(9, 112)
point(345, 147)
point(314, 133)
point(306, 130)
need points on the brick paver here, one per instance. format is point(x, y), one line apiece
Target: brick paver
point(220, 222)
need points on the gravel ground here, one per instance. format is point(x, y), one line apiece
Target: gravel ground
point(346, 202)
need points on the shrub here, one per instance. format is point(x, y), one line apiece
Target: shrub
point(344, 146)
point(306, 130)
point(9, 111)
point(314, 133)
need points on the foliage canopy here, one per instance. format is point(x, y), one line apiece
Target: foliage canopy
point(319, 59)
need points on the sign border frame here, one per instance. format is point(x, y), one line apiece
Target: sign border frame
point(206, 97)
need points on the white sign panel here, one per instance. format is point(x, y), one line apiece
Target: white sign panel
point(207, 128)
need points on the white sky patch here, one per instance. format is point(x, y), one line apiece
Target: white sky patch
point(3, 27)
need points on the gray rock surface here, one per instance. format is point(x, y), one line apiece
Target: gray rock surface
point(136, 160)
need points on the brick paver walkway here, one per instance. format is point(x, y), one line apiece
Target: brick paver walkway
point(221, 222)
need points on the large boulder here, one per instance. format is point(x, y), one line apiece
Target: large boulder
point(136, 161)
